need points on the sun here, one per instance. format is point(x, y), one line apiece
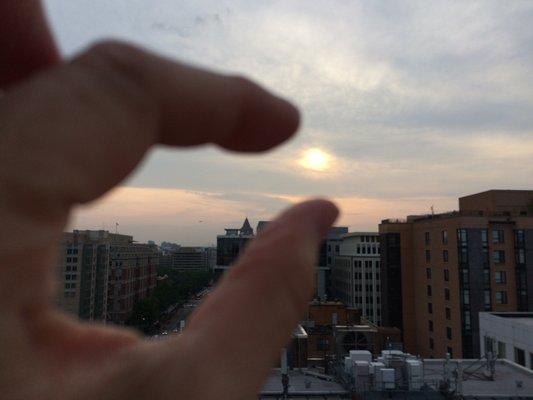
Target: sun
point(315, 159)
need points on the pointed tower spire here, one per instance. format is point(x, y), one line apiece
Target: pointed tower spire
point(246, 228)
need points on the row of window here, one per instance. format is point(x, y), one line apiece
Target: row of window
point(72, 251)
point(448, 311)
point(445, 271)
point(432, 347)
point(448, 330)
point(368, 275)
point(72, 259)
point(429, 292)
point(367, 250)
point(444, 237)
point(498, 256)
point(498, 236)
point(500, 350)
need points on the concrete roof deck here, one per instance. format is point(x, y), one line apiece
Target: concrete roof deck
point(504, 384)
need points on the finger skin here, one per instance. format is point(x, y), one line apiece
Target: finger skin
point(235, 337)
point(88, 123)
point(26, 45)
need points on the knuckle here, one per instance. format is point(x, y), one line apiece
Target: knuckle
point(112, 68)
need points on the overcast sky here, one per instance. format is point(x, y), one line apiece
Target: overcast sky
point(416, 104)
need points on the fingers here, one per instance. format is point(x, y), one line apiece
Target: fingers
point(26, 44)
point(236, 335)
point(70, 134)
point(98, 115)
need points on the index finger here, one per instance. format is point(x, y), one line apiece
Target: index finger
point(26, 44)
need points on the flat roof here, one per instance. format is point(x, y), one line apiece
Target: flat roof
point(505, 380)
point(303, 383)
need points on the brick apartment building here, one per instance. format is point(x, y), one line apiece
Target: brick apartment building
point(132, 275)
point(334, 329)
point(439, 271)
point(101, 275)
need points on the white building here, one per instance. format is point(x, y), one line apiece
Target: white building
point(355, 274)
point(508, 335)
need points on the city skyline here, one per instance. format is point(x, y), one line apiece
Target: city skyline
point(409, 106)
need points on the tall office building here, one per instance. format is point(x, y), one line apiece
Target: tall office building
point(329, 249)
point(83, 268)
point(355, 274)
point(132, 275)
point(439, 271)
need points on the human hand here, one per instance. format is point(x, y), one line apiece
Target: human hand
point(68, 134)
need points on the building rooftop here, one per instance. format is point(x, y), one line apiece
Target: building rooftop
point(306, 383)
point(491, 203)
point(520, 318)
point(510, 379)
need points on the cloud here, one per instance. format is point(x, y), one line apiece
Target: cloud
point(413, 100)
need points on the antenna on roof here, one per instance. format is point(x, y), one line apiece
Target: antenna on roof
point(116, 227)
point(432, 210)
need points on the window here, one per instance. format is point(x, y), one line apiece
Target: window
point(448, 333)
point(448, 313)
point(430, 326)
point(428, 289)
point(336, 249)
point(466, 319)
point(445, 255)
point(497, 236)
point(430, 308)
point(427, 238)
point(431, 343)
point(463, 255)
point(501, 297)
point(484, 237)
point(446, 294)
point(447, 275)
point(462, 237)
point(521, 256)
point(487, 301)
point(498, 256)
point(466, 296)
point(428, 273)
point(519, 236)
point(428, 255)
point(444, 237)
point(500, 277)
point(449, 351)
point(502, 352)
point(520, 356)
